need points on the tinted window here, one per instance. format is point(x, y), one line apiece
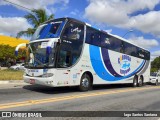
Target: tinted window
point(147, 55)
point(116, 44)
point(46, 30)
point(73, 31)
point(143, 54)
point(64, 59)
point(130, 49)
point(72, 40)
point(93, 36)
point(54, 28)
point(105, 41)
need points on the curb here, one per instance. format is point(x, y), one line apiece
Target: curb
point(12, 82)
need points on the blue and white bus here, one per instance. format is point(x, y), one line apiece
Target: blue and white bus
point(69, 52)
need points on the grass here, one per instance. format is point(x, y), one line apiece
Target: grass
point(9, 74)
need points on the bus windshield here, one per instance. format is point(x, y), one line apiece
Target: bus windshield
point(37, 55)
point(49, 30)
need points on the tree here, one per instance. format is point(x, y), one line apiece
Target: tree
point(155, 65)
point(37, 17)
point(7, 54)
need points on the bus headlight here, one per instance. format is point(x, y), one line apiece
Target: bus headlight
point(47, 75)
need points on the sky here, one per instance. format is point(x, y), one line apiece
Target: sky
point(114, 16)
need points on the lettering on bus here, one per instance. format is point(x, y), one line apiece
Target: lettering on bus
point(141, 55)
point(124, 62)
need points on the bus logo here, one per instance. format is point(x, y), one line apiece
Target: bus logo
point(124, 62)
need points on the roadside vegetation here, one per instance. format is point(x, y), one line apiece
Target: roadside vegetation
point(155, 64)
point(9, 74)
point(35, 18)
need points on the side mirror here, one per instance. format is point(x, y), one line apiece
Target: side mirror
point(20, 46)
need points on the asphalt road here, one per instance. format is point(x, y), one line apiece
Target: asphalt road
point(102, 98)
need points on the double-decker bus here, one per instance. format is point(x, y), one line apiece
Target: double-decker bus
point(69, 52)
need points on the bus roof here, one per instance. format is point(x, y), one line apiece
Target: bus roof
point(87, 24)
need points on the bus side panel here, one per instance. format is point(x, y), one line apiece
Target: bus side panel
point(114, 67)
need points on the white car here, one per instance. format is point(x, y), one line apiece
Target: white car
point(18, 66)
point(154, 78)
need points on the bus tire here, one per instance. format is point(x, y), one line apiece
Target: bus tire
point(135, 81)
point(156, 83)
point(140, 82)
point(85, 83)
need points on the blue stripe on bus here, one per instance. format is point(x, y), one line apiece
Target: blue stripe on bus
point(100, 69)
point(107, 62)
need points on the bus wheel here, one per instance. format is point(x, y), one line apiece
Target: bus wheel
point(156, 83)
point(140, 82)
point(85, 83)
point(135, 81)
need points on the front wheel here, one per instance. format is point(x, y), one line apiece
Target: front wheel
point(85, 83)
point(135, 81)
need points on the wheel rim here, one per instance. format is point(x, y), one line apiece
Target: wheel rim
point(140, 82)
point(85, 82)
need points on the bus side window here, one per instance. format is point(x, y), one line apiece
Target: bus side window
point(90, 35)
point(105, 41)
point(122, 50)
point(115, 44)
point(93, 36)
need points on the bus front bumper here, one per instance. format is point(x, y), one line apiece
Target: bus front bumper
point(46, 81)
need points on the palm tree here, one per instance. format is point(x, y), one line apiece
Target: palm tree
point(37, 17)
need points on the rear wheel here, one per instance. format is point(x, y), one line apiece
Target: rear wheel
point(135, 81)
point(140, 82)
point(156, 83)
point(85, 83)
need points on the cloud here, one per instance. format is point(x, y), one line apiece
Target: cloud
point(118, 13)
point(1, 33)
point(74, 12)
point(108, 31)
point(155, 54)
point(148, 23)
point(145, 43)
point(36, 4)
point(12, 25)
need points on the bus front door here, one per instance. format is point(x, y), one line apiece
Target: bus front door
point(63, 74)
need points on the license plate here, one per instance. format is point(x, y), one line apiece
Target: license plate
point(32, 81)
